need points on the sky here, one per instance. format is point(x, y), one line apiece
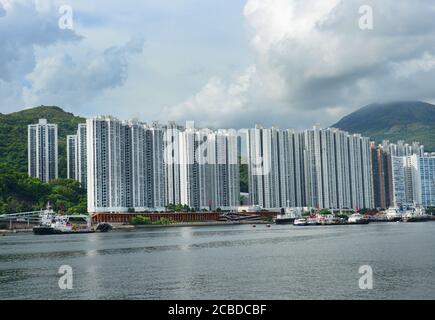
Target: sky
point(220, 63)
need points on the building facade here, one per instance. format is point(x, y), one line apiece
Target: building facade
point(72, 157)
point(381, 176)
point(323, 168)
point(133, 166)
point(82, 170)
point(414, 180)
point(125, 166)
point(43, 150)
point(427, 180)
point(209, 169)
point(77, 156)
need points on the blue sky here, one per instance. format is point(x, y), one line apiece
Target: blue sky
point(291, 63)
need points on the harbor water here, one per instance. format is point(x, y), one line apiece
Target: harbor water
point(224, 262)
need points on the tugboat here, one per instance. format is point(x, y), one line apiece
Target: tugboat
point(287, 217)
point(63, 224)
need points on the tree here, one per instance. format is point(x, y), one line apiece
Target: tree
point(19, 192)
point(324, 212)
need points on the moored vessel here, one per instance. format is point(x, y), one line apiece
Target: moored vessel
point(287, 217)
point(415, 214)
point(357, 218)
point(393, 214)
point(52, 223)
point(300, 222)
point(62, 224)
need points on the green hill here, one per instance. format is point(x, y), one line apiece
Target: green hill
point(13, 135)
point(405, 120)
point(19, 192)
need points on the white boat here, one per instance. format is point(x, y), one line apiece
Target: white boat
point(312, 221)
point(63, 224)
point(415, 214)
point(288, 217)
point(300, 222)
point(66, 224)
point(393, 214)
point(357, 218)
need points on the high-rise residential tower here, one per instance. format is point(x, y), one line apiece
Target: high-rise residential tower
point(106, 148)
point(209, 168)
point(324, 168)
point(172, 163)
point(43, 151)
point(381, 176)
point(77, 156)
point(82, 170)
point(426, 180)
point(414, 180)
point(72, 157)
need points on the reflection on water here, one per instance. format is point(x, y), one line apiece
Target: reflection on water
point(224, 262)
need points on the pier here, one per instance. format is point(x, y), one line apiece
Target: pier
point(22, 220)
point(176, 216)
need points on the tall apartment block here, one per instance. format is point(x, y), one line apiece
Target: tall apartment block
point(121, 168)
point(43, 150)
point(401, 174)
point(324, 168)
point(77, 156)
point(209, 169)
point(414, 180)
point(172, 163)
point(382, 176)
point(72, 158)
point(82, 170)
point(426, 180)
point(132, 165)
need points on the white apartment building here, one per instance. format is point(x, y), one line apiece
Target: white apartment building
point(82, 170)
point(324, 168)
point(134, 166)
point(427, 180)
point(125, 166)
point(264, 180)
point(172, 163)
point(43, 150)
point(72, 157)
point(77, 156)
point(209, 169)
point(414, 180)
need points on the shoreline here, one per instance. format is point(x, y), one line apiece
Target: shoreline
point(123, 227)
point(188, 224)
point(120, 227)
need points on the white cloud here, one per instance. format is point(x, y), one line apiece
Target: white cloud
point(61, 80)
point(217, 101)
point(314, 64)
point(22, 29)
point(309, 61)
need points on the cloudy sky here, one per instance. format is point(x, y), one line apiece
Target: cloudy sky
point(231, 63)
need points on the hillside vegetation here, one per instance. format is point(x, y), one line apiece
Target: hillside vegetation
point(407, 120)
point(19, 192)
point(13, 135)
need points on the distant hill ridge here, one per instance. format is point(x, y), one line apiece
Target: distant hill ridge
point(404, 120)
